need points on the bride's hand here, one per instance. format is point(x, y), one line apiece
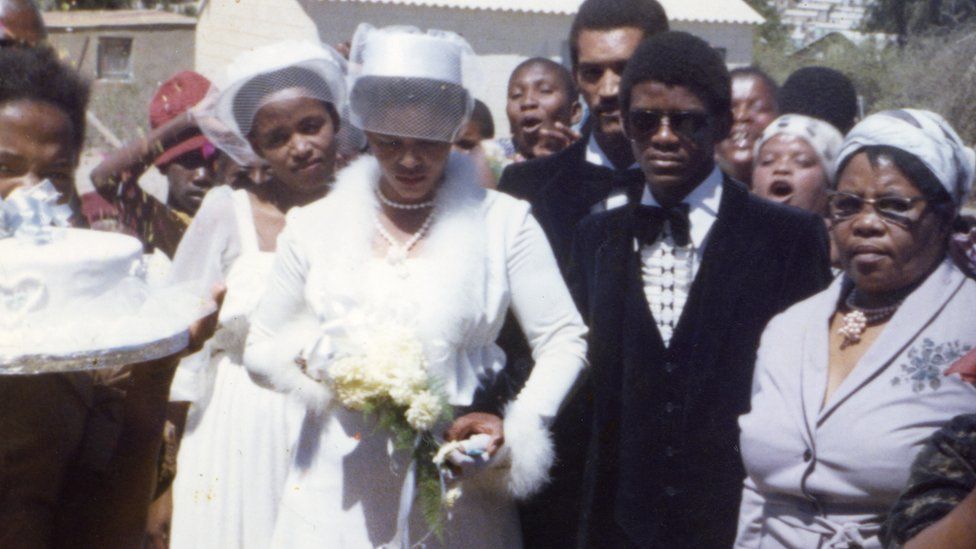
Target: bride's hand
point(478, 423)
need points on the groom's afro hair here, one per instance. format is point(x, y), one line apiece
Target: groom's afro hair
point(680, 59)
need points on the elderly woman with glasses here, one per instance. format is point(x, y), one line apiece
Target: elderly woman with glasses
point(850, 383)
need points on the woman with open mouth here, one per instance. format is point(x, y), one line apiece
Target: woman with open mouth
point(794, 162)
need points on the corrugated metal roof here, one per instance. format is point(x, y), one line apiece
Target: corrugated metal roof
point(79, 19)
point(704, 11)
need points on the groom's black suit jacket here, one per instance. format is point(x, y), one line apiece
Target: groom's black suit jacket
point(663, 467)
point(562, 189)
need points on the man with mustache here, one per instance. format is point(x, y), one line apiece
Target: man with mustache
point(598, 171)
point(676, 290)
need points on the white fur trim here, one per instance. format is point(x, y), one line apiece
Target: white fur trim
point(531, 449)
point(521, 466)
point(272, 364)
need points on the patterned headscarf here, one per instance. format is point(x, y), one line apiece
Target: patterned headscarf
point(822, 137)
point(924, 135)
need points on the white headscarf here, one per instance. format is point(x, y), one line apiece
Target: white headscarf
point(821, 136)
point(226, 120)
point(924, 135)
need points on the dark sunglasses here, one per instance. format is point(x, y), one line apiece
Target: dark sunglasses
point(645, 122)
point(896, 209)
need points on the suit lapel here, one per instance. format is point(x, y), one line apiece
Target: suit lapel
point(914, 316)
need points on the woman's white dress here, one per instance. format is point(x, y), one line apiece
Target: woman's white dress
point(483, 254)
point(235, 452)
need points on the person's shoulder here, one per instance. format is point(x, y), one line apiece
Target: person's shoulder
point(505, 202)
point(599, 227)
point(777, 221)
point(524, 179)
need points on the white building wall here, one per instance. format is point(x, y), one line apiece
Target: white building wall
point(501, 39)
point(735, 39)
point(228, 28)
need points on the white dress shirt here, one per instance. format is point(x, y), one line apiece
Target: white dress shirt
point(596, 156)
point(667, 269)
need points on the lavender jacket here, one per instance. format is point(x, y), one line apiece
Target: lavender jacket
point(824, 475)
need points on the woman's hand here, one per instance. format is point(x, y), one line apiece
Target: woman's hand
point(478, 423)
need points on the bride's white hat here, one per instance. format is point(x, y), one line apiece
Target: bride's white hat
point(56, 319)
point(309, 68)
point(410, 83)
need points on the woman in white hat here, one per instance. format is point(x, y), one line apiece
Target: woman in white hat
point(408, 240)
point(280, 104)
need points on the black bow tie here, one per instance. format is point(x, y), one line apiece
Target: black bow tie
point(631, 180)
point(649, 222)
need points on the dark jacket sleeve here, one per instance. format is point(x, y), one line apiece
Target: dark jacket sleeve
point(943, 474)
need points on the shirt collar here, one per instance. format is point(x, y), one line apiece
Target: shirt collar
point(703, 203)
point(596, 156)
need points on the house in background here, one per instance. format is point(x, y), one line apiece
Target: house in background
point(502, 32)
point(126, 54)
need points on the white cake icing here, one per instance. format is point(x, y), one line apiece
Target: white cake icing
point(80, 293)
point(75, 268)
point(73, 299)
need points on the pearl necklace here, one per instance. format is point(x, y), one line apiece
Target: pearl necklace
point(858, 319)
point(396, 253)
point(401, 205)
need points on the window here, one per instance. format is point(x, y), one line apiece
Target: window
point(115, 58)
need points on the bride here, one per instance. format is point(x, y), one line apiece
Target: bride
point(408, 238)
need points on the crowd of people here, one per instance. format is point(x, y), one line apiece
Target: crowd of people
point(678, 306)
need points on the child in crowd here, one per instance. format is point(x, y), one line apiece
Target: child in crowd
point(543, 105)
point(178, 149)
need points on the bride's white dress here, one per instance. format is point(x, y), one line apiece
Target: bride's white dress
point(484, 253)
point(235, 452)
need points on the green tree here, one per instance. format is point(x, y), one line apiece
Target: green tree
point(772, 33)
point(905, 18)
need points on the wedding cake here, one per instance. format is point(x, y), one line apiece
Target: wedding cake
point(75, 299)
point(76, 266)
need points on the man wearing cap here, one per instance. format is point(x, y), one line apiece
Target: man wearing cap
point(178, 150)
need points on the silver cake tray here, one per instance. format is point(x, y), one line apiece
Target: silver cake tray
point(96, 359)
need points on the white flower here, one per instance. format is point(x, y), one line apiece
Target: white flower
point(352, 383)
point(451, 496)
point(424, 411)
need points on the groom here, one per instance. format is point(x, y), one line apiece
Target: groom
point(676, 291)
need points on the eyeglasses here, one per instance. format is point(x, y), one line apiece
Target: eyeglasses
point(896, 209)
point(645, 123)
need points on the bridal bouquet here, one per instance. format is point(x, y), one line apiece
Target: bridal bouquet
point(389, 379)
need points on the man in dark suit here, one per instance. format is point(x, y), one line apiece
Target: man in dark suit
point(597, 171)
point(676, 290)
point(594, 174)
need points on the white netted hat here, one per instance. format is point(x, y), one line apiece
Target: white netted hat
point(410, 83)
point(310, 69)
